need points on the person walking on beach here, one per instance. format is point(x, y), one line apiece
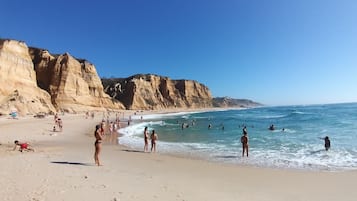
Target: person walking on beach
point(97, 144)
point(153, 137)
point(244, 141)
point(146, 139)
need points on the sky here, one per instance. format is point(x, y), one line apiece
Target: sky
point(276, 52)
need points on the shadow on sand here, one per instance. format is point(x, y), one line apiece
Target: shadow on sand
point(134, 151)
point(71, 163)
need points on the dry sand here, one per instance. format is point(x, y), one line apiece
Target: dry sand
point(62, 168)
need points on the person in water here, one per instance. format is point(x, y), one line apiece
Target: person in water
point(327, 143)
point(146, 139)
point(272, 127)
point(244, 141)
point(245, 130)
point(97, 144)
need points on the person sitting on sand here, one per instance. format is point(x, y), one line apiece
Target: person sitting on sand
point(244, 141)
point(153, 137)
point(23, 146)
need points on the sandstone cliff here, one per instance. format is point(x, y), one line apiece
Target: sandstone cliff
point(157, 92)
point(32, 80)
point(18, 89)
point(73, 84)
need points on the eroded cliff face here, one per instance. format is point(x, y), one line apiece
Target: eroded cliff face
point(32, 80)
point(157, 92)
point(73, 84)
point(19, 89)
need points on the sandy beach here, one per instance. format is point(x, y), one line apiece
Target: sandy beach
point(62, 168)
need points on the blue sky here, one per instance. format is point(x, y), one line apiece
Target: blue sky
point(277, 52)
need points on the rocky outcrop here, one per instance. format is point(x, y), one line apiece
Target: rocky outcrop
point(73, 84)
point(19, 89)
point(157, 92)
point(32, 81)
point(233, 103)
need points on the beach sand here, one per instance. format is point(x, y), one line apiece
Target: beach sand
point(62, 168)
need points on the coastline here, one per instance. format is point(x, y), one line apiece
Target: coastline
point(62, 168)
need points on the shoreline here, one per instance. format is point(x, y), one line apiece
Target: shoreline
point(181, 150)
point(62, 168)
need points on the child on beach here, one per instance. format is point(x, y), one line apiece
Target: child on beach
point(153, 137)
point(23, 146)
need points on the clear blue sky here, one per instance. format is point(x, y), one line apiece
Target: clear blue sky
point(277, 52)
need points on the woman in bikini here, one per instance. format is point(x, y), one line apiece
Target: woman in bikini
point(97, 144)
point(146, 139)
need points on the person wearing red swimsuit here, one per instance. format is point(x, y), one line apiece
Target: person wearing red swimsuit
point(23, 146)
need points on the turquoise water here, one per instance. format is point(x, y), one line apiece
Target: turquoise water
point(298, 146)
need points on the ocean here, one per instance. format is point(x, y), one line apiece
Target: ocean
point(294, 144)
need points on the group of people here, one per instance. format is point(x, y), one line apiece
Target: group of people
point(244, 140)
point(154, 137)
point(99, 134)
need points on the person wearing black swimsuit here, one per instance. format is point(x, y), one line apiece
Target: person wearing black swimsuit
point(97, 144)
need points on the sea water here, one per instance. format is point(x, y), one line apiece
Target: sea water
point(295, 143)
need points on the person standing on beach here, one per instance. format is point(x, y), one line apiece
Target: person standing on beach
point(146, 139)
point(244, 141)
point(102, 128)
point(153, 137)
point(60, 124)
point(97, 144)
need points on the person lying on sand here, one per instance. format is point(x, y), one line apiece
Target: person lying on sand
point(23, 146)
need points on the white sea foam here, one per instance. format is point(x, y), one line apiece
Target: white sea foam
point(312, 157)
point(161, 115)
